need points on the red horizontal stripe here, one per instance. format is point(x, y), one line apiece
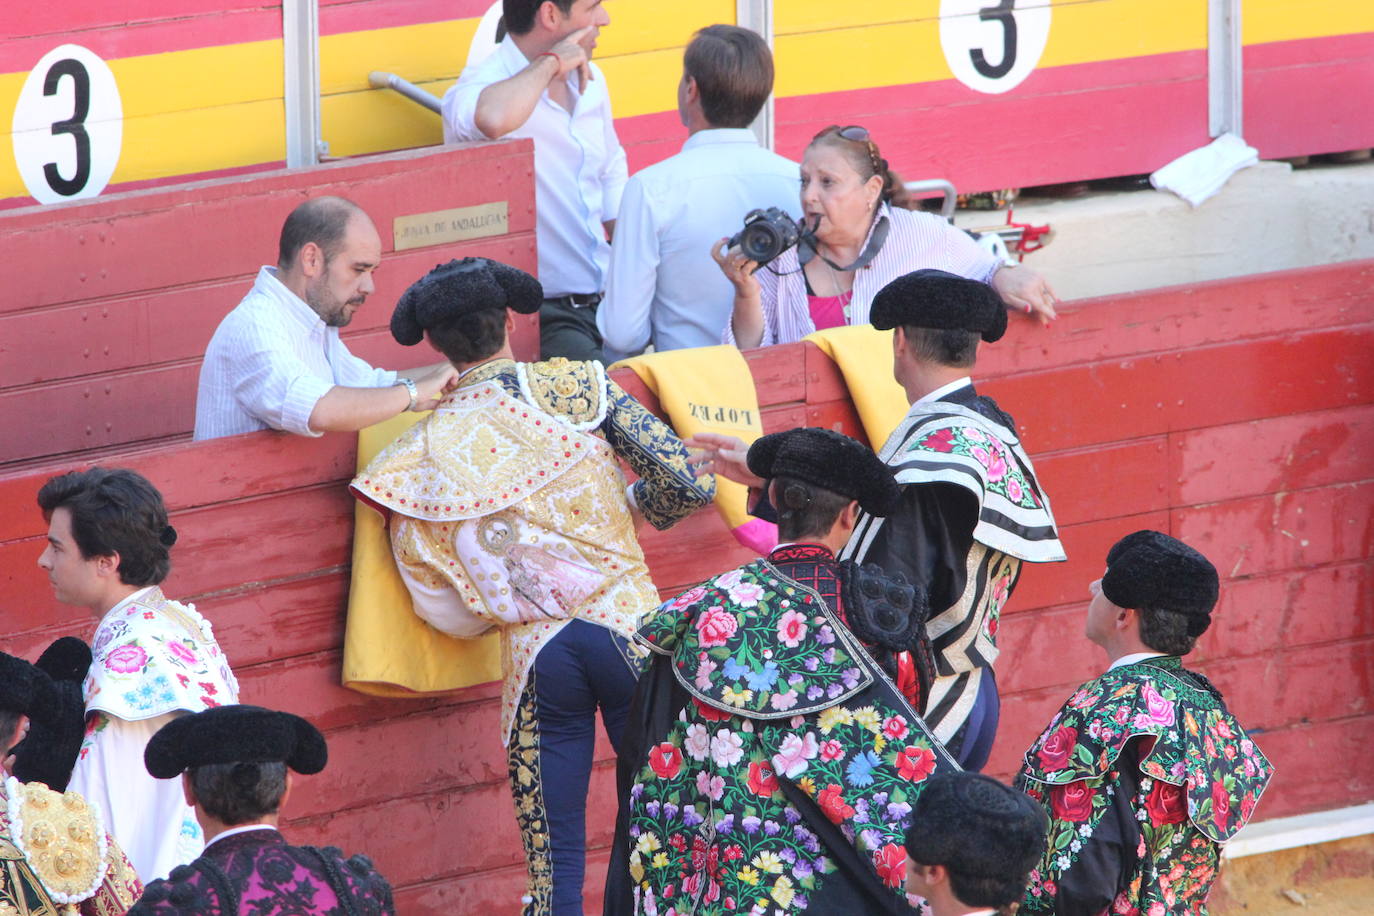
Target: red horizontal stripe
point(1310, 96)
point(150, 28)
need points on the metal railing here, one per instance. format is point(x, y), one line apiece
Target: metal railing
point(380, 79)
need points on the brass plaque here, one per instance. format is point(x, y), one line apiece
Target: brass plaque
point(457, 225)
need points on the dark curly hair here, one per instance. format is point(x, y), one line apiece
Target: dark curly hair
point(115, 511)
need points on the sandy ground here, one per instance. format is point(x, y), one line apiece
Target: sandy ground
point(1333, 879)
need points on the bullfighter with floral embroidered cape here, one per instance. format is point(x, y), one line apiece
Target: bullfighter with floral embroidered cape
point(1143, 772)
point(507, 508)
point(777, 762)
point(972, 510)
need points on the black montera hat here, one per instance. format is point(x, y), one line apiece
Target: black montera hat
point(235, 734)
point(941, 300)
point(978, 827)
point(458, 288)
point(24, 688)
point(1151, 570)
point(829, 460)
point(57, 723)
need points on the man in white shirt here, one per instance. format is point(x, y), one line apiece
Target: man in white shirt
point(540, 83)
point(152, 658)
point(661, 288)
point(276, 361)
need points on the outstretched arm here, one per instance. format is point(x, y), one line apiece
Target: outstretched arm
point(667, 490)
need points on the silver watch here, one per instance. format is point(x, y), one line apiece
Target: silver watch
point(411, 389)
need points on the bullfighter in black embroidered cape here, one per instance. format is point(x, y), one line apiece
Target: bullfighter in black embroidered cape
point(507, 509)
point(232, 761)
point(770, 762)
point(1143, 771)
point(971, 509)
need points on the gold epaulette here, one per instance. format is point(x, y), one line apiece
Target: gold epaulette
point(61, 837)
point(575, 392)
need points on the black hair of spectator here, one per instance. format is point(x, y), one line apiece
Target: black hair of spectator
point(115, 511)
point(239, 793)
point(9, 721)
point(1165, 631)
point(804, 509)
point(518, 15)
point(953, 347)
point(733, 70)
point(470, 337)
point(868, 161)
point(322, 220)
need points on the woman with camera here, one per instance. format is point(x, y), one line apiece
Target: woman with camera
point(861, 239)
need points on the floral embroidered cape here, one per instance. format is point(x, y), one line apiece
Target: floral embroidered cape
point(775, 765)
point(1166, 801)
point(152, 656)
point(943, 441)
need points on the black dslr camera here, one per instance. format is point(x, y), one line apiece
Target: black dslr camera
point(766, 234)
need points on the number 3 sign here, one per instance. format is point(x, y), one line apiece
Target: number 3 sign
point(68, 126)
point(992, 45)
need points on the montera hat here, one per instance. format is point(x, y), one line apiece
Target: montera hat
point(829, 460)
point(57, 722)
point(978, 827)
point(1151, 570)
point(944, 301)
point(460, 288)
point(235, 734)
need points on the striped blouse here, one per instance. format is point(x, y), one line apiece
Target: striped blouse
point(915, 241)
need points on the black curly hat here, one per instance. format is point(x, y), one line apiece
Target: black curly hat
point(978, 827)
point(1151, 570)
point(235, 734)
point(937, 299)
point(459, 288)
point(57, 722)
point(829, 460)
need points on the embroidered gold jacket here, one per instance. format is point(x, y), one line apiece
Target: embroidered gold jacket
point(55, 858)
point(507, 507)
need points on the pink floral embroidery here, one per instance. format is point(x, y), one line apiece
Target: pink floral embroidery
point(691, 596)
point(1161, 711)
point(792, 629)
point(715, 626)
point(182, 652)
point(127, 659)
point(792, 755)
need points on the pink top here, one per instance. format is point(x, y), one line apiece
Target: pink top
point(827, 311)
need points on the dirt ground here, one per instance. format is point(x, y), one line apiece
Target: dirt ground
point(1332, 879)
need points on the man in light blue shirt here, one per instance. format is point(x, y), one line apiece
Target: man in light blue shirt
point(662, 288)
point(540, 83)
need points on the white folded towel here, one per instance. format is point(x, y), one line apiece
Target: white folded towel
point(1198, 175)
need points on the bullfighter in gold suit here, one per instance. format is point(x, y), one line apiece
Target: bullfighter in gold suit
point(507, 509)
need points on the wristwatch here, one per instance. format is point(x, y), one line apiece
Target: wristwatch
point(411, 389)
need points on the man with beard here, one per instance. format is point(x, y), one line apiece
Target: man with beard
point(770, 761)
point(1143, 772)
point(276, 361)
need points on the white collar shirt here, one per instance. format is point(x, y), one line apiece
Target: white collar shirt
point(270, 361)
point(663, 285)
point(579, 168)
point(943, 390)
point(1134, 657)
point(914, 241)
point(235, 831)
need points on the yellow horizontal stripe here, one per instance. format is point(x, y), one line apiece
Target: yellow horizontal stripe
point(1286, 20)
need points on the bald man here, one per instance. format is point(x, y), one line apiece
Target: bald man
point(277, 362)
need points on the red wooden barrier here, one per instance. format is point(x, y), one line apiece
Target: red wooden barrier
point(1238, 415)
point(102, 332)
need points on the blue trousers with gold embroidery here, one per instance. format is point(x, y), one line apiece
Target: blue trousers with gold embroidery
point(583, 668)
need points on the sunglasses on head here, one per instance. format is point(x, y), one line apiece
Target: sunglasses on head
point(857, 134)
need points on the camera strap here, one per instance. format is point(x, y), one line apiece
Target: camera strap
point(807, 247)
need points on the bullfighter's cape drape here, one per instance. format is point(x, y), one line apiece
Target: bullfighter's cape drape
point(1144, 774)
point(768, 760)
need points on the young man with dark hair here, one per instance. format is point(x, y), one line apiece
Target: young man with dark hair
point(233, 764)
point(276, 361)
point(661, 288)
point(507, 509)
point(1144, 772)
point(153, 658)
point(53, 847)
point(771, 763)
point(540, 83)
point(971, 846)
point(971, 509)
